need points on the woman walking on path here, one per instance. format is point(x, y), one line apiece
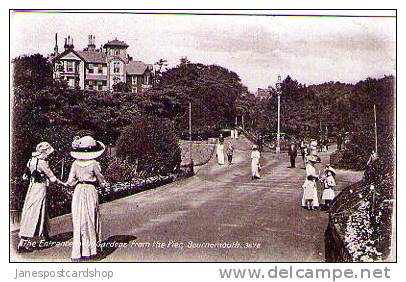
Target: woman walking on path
point(255, 165)
point(84, 174)
point(312, 176)
point(230, 151)
point(220, 151)
point(34, 217)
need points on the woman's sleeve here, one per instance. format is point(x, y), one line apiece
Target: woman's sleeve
point(48, 172)
point(72, 176)
point(98, 174)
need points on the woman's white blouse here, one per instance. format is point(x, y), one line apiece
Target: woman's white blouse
point(42, 167)
point(88, 170)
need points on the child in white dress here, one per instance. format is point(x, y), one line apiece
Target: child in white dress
point(328, 187)
point(309, 192)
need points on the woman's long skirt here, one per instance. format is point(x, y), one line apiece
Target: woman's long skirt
point(328, 194)
point(220, 154)
point(255, 167)
point(86, 221)
point(34, 217)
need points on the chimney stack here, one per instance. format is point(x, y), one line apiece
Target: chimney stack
point(91, 46)
point(68, 43)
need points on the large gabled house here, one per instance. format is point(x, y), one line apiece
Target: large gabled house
point(99, 69)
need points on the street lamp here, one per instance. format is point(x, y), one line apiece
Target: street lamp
point(279, 92)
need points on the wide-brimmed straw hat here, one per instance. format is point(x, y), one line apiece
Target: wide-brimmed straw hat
point(331, 169)
point(86, 148)
point(42, 150)
point(314, 159)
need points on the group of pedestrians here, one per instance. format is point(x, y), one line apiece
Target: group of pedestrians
point(310, 199)
point(84, 175)
point(220, 150)
point(255, 156)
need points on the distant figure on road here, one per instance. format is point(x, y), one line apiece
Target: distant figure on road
point(339, 141)
point(302, 148)
point(84, 175)
point(220, 152)
point(313, 147)
point(230, 151)
point(311, 176)
point(292, 152)
point(255, 165)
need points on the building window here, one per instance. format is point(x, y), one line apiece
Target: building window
point(117, 52)
point(100, 69)
point(146, 79)
point(116, 67)
point(69, 66)
point(91, 69)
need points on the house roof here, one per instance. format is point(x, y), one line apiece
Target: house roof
point(116, 43)
point(93, 56)
point(137, 67)
point(67, 52)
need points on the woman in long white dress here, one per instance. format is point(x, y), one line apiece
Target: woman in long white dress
point(255, 165)
point(85, 173)
point(220, 152)
point(34, 217)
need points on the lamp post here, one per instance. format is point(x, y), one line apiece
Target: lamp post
point(190, 131)
point(278, 136)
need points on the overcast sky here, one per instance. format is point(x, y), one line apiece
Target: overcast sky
point(309, 49)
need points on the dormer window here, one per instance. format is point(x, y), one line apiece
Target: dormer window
point(117, 52)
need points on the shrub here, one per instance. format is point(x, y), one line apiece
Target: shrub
point(119, 171)
point(152, 142)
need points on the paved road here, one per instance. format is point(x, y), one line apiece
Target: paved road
point(221, 204)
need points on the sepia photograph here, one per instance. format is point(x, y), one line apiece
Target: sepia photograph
point(202, 136)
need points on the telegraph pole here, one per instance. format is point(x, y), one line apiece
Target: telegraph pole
point(190, 131)
point(278, 137)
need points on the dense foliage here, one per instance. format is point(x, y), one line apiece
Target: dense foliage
point(152, 144)
point(33, 72)
point(328, 110)
point(211, 90)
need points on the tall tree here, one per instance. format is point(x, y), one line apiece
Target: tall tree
point(32, 72)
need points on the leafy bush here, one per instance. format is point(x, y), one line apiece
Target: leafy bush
point(121, 87)
point(120, 171)
point(151, 142)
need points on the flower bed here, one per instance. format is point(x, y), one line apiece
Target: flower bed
point(358, 238)
point(61, 203)
point(361, 218)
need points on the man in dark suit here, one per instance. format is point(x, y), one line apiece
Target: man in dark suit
point(292, 154)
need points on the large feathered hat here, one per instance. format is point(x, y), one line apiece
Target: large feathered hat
point(86, 148)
